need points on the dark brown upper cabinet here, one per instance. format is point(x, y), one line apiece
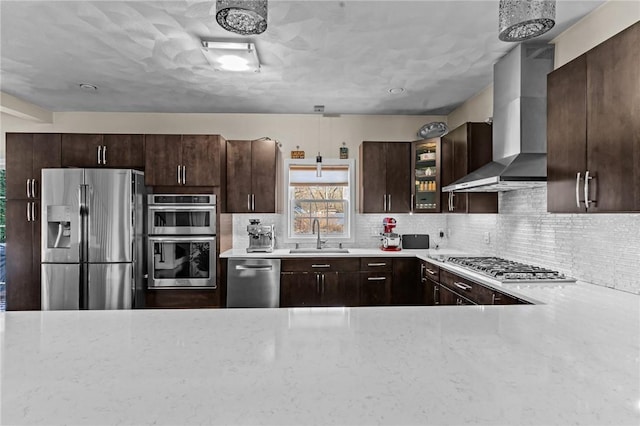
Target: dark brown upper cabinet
point(27, 155)
point(251, 176)
point(593, 130)
point(385, 177)
point(465, 149)
point(184, 160)
point(103, 150)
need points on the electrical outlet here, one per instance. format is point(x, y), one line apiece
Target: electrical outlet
point(441, 233)
point(487, 237)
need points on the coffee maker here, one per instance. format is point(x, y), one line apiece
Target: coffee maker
point(261, 237)
point(390, 240)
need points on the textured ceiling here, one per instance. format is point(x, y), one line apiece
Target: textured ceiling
point(145, 55)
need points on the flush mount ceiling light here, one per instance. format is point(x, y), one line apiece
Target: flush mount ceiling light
point(227, 56)
point(525, 19)
point(87, 87)
point(244, 17)
point(396, 90)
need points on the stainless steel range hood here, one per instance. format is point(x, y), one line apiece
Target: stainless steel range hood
point(519, 123)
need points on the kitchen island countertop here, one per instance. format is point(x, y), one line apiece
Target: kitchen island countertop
point(572, 360)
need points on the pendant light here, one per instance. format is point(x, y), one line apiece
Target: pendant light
point(246, 17)
point(525, 19)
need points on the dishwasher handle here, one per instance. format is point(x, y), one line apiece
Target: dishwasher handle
point(254, 267)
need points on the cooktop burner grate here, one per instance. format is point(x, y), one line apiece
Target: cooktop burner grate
point(507, 270)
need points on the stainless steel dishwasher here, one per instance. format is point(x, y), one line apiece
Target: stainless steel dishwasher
point(253, 283)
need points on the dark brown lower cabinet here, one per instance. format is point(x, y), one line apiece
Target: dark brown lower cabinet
point(375, 288)
point(23, 253)
point(448, 297)
point(182, 298)
point(298, 289)
point(405, 290)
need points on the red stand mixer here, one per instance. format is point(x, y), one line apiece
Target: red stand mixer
point(390, 240)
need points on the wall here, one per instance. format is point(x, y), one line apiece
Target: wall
point(311, 132)
point(603, 249)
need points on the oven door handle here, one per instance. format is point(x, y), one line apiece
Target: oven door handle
point(182, 239)
point(183, 208)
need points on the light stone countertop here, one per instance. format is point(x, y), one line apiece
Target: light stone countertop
point(572, 360)
point(353, 252)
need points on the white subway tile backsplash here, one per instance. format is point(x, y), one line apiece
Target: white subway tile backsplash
point(603, 249)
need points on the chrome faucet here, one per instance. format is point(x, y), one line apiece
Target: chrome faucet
point(313, 231)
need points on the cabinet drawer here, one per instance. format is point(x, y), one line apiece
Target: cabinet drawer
point(430, 271)
point(376, 264)
point(321, 264)
point(471, 290)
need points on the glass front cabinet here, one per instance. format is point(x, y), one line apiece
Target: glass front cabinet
point(425, 162)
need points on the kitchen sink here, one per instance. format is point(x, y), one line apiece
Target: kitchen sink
point(322, 250)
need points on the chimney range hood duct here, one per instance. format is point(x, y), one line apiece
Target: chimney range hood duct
point(519, 124)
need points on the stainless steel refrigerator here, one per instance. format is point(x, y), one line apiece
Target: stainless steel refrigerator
point(92, 239)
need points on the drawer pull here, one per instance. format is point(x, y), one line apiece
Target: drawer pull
point(430, 271)
point(495, 299)
point(322, 265)
point(376, 278)
point(377, 264)
point(463, 286)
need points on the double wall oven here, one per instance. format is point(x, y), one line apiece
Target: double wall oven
point(182, 241)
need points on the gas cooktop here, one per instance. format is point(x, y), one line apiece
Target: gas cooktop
point(508, 271)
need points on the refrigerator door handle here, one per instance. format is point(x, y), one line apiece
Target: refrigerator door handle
point(84, 233)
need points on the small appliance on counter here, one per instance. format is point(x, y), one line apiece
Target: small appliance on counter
point(415, 241)
point(261, 237)
point(390, 240)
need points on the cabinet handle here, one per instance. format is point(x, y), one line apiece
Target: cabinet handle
point(318, 283)
point(29, 212)
point(248, 202)
point(178, 174)
point(587, 178)
point(28, 188)
point(430, 271)
point(463, 286)
point(389, 203)
point(495, 299)
point(104, 155)
point(436, 299)
point(376, 278)
point(321, 265)
point(33, 211)
point(253, 202)
point(413, 197)
point(184, 174)
point(99, 149)
point(33, 188)
point(578, 190)
point(322, 284)
point(384, 202)
point(451, 205)
point(377, 264)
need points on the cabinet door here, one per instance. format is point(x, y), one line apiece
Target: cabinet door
point(299, 289)
point(447, 297)
point(405, 283)
point(124, 151)
point(373, 177)
point(201, 157)
point(398, 177)
point(23, 286)
point(239, 176)
point(613, 124)
point(162, 155)
point(460, 165)
point(19, 164)
point(375, 289)
point(430, 292)
point(479, 153)
point(566, 135)
point(446, 169)
point(81, 149)
point(263, 176)
point(46, 154)
point(425, 173)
